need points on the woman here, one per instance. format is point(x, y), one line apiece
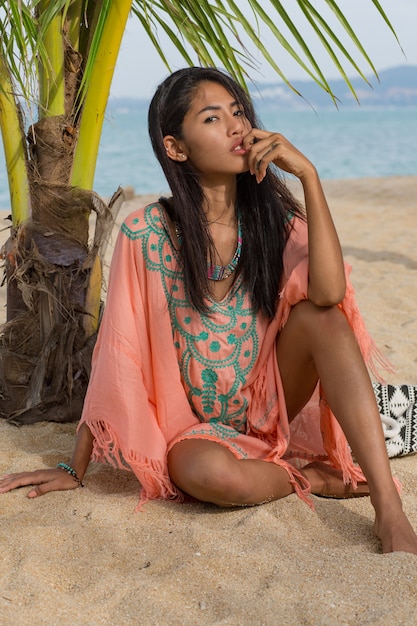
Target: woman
point(226, 368)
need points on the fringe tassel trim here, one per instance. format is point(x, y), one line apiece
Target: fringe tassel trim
point(152, 474)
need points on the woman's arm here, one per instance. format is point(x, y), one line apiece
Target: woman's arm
point(82, 451)
point(327, 283)
point(55, 479)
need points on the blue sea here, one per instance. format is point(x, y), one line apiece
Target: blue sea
point(353, 143)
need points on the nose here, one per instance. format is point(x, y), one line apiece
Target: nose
point(236, 125)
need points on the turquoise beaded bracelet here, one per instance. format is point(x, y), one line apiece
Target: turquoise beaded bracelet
point(70, 470)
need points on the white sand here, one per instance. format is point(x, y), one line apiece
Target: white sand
point(85, 558)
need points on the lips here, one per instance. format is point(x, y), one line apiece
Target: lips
point(238, 148)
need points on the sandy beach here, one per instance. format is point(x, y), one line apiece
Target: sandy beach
point(85, 557)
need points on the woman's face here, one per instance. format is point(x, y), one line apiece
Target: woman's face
point(212, 131)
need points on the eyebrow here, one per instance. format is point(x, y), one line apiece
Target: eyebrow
point(215, 107)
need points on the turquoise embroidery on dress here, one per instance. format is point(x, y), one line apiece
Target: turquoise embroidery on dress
point(209, 378)
point(215, 352)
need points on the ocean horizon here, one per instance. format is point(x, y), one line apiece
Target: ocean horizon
point(353, 143)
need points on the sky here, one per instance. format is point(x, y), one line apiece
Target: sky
point(139, 69)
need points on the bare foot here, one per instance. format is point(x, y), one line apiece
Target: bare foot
point(392, 526)
point(327, 482)
point(396, 533)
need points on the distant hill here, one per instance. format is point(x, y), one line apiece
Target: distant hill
point(397, 87)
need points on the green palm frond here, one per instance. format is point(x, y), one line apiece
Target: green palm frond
point(22, 41)
point(14, 145)
point(218, 33)
point(207, 32)
point(91, 50)
point(199, 31)
point(32, 43)
point(95, 87)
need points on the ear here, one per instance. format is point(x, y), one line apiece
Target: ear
point(174, 149)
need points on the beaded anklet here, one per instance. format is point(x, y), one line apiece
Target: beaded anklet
point(70, 470)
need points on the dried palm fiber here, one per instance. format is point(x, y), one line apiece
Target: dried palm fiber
point(45, 353)
point(73, 63)
point(51, 144)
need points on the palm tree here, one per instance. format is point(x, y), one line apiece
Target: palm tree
point(56, 65)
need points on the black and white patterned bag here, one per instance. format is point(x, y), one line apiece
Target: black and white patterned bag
point(397, 405)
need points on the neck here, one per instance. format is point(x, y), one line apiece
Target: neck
point(220, 205)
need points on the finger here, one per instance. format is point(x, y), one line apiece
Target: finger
point(261, 157)
point(259, 142)
point(38, 477)
point(22, 479)
point(255, 135)
point(262, 160)
point(255, 142)
point(58, 484)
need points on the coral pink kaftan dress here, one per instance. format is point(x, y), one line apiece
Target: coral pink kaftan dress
point(163, 372)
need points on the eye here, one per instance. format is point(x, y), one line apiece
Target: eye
point(211, 118)
point(239, 113)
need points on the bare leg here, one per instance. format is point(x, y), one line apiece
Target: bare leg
point(315, 343)
point(318, 343)
point(210, 472)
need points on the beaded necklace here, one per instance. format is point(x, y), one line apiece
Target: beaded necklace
point(221, 272)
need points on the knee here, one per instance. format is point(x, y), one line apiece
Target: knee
point(220, 482)
point(224, 485)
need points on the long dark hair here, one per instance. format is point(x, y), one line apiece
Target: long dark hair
point(264, 207)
